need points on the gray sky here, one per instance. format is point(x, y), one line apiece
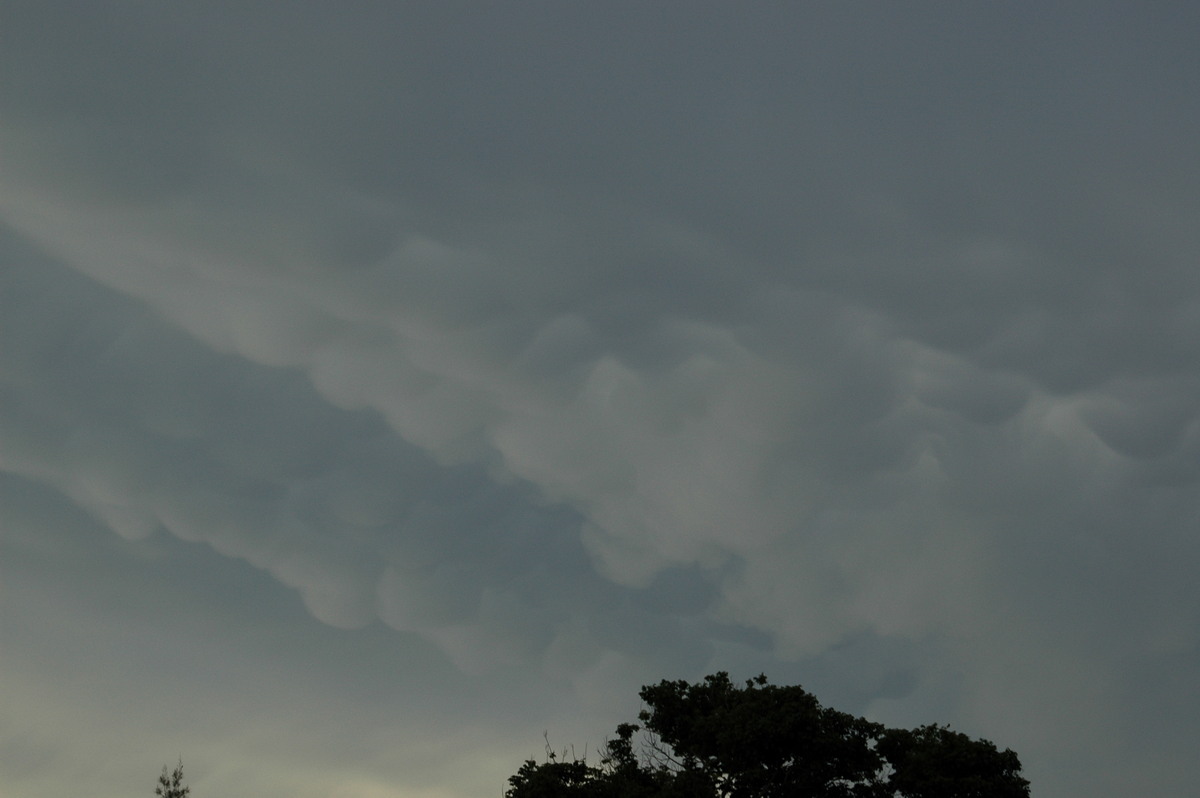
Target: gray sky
point(383, 385)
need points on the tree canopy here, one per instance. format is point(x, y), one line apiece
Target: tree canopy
point(716, 739)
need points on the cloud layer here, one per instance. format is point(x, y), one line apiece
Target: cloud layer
point(570, 349)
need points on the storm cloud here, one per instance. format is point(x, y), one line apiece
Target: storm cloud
point(381, 387)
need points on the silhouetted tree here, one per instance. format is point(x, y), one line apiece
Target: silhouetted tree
point(715, 739)
point(934, 762)
point(170, 785)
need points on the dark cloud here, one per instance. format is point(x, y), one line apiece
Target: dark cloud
point(542, 352)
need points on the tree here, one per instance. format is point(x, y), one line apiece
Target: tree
point(170, 785)
point(934, 762)
point(715, 739)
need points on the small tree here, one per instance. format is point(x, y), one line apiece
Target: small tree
point(170, 785)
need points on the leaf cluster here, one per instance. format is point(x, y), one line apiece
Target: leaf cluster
point(170, 785)
point(716, 739)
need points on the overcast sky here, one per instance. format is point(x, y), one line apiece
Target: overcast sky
point(383, 385)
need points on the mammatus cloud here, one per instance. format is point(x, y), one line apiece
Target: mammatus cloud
point(595, 351)
point(861, 485)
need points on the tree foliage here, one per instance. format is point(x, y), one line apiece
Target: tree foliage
point(170, 785)
point(715, 739)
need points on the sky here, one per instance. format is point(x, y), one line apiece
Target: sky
point(389, 388)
